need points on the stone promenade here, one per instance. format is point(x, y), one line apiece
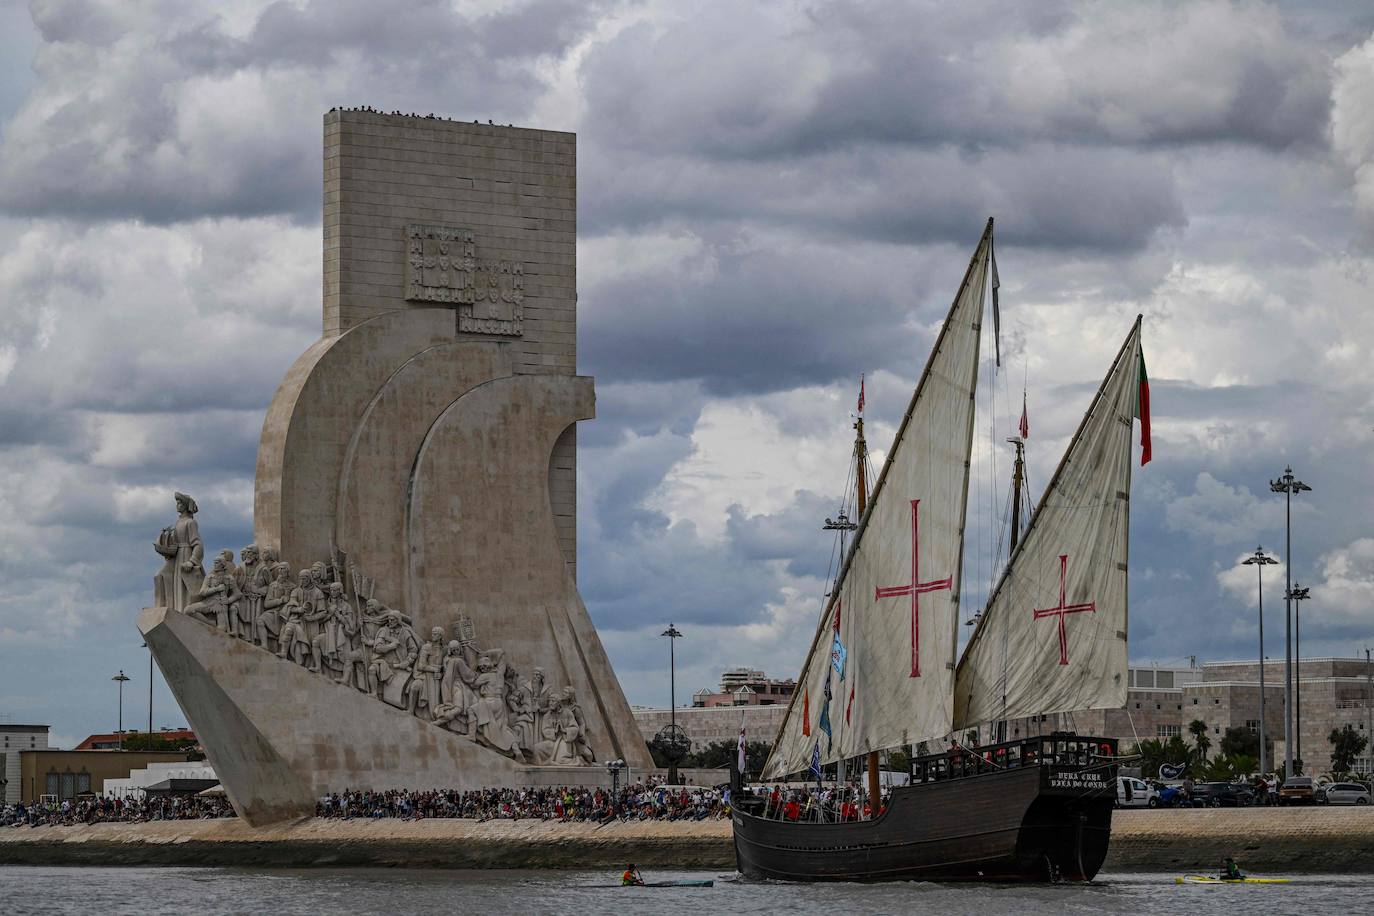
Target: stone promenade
point(1311, 840)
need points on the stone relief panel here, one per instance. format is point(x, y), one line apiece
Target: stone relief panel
point(442, 266)
point(326, 619)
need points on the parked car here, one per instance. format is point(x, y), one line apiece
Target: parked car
point(1343, 793)
point(1170, 796)
point(1222, 795)
point(1135, 793)
point(1298, 790)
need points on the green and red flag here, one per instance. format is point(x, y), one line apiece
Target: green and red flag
point(1142, 410)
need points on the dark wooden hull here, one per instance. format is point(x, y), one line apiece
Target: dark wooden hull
point(1028, 824)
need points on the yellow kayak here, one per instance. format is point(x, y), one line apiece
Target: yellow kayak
point(1205, 879)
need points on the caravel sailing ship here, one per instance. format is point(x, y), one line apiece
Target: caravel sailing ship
point(882, 670)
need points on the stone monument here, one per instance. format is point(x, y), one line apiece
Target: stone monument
point(408, 616)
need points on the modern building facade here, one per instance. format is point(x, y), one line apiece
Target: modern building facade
point(1163, 702)
point(746, 687)
point(15, 739)
point(705, 725)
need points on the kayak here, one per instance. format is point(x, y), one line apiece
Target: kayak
point(707, 882)
point(1204, 879)
point(702, 883)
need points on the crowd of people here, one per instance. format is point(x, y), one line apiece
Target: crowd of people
point(103, 810)
point(633, 802)
point(636, 802)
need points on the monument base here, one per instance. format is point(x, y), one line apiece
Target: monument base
point(280, 736)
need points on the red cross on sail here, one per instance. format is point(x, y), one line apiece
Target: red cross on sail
point(915, 588)
point(1063, 609)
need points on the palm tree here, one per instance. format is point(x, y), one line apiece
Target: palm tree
point(1198, 729)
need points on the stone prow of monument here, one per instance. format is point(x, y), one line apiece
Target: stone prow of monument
point(425, 449)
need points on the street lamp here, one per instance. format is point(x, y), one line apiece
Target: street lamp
point(1288, 485)
point(122, 681)
point(1296, 594)
point(1259, 561)
point(673, 634)
point(614, 767)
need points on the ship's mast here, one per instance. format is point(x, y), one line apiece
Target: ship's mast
point(861, 503)
point(1018, 477)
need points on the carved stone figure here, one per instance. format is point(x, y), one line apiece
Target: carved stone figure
point(268, 625)
point(177, 584)
point(295, 636)
point(337, 615)
point(393, 652)
point(219, 597)
point(429, 669)
point(353, 655)
point(490, 714)
point(571, 746)
point(251, 578)
point(456, 696)
point(535, 697)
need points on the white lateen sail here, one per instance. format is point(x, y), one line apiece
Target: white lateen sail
point(1053, 636)
point(884, 676)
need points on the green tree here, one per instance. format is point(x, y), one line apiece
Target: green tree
point(898, 761)
point(1198, 729)
point(1229, 768)
point(1154, 752)
point(1240, 740)
point(143, 741)
point(1346, 745)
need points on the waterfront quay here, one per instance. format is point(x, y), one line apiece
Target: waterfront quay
point(1310, 840)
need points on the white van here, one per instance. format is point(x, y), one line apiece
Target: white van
point(1135, 793)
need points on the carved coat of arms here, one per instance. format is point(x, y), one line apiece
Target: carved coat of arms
point(442, 266)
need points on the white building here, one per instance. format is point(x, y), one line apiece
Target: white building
point(154, 773)
point(13, 739)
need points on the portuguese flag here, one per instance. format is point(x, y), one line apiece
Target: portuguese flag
point(1142, 410)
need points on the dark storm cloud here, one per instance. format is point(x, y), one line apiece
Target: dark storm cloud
point(159, 114)
point(843, 75)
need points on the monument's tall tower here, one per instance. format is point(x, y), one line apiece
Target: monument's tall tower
point(425, 449)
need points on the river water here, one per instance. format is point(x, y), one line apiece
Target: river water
point(320, 891)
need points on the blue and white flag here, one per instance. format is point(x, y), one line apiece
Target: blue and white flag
point(816, 760)
point(825, 718)
point(837, 656)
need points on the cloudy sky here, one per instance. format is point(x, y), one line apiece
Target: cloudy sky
point(774, 199)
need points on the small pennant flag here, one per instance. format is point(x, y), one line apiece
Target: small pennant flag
point(741, 741)
point(996, 308)
point(806, 712)
point(1143, 411)
point(861, 394)
point(849, 707)
point(816, 760)
point(838, 604)
point(837, 656)
point(824, 723)
point(1024, 428)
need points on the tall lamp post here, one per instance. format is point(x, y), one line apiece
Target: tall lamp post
point(122, 681)
point(673, 634)
point(1288, 485)
point(1260, 560)
point(1298, 594)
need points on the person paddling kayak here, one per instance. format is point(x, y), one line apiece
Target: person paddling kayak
point(631, 877)
point(1230, 871)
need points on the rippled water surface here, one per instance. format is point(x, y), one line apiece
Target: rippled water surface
point(314, 892)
